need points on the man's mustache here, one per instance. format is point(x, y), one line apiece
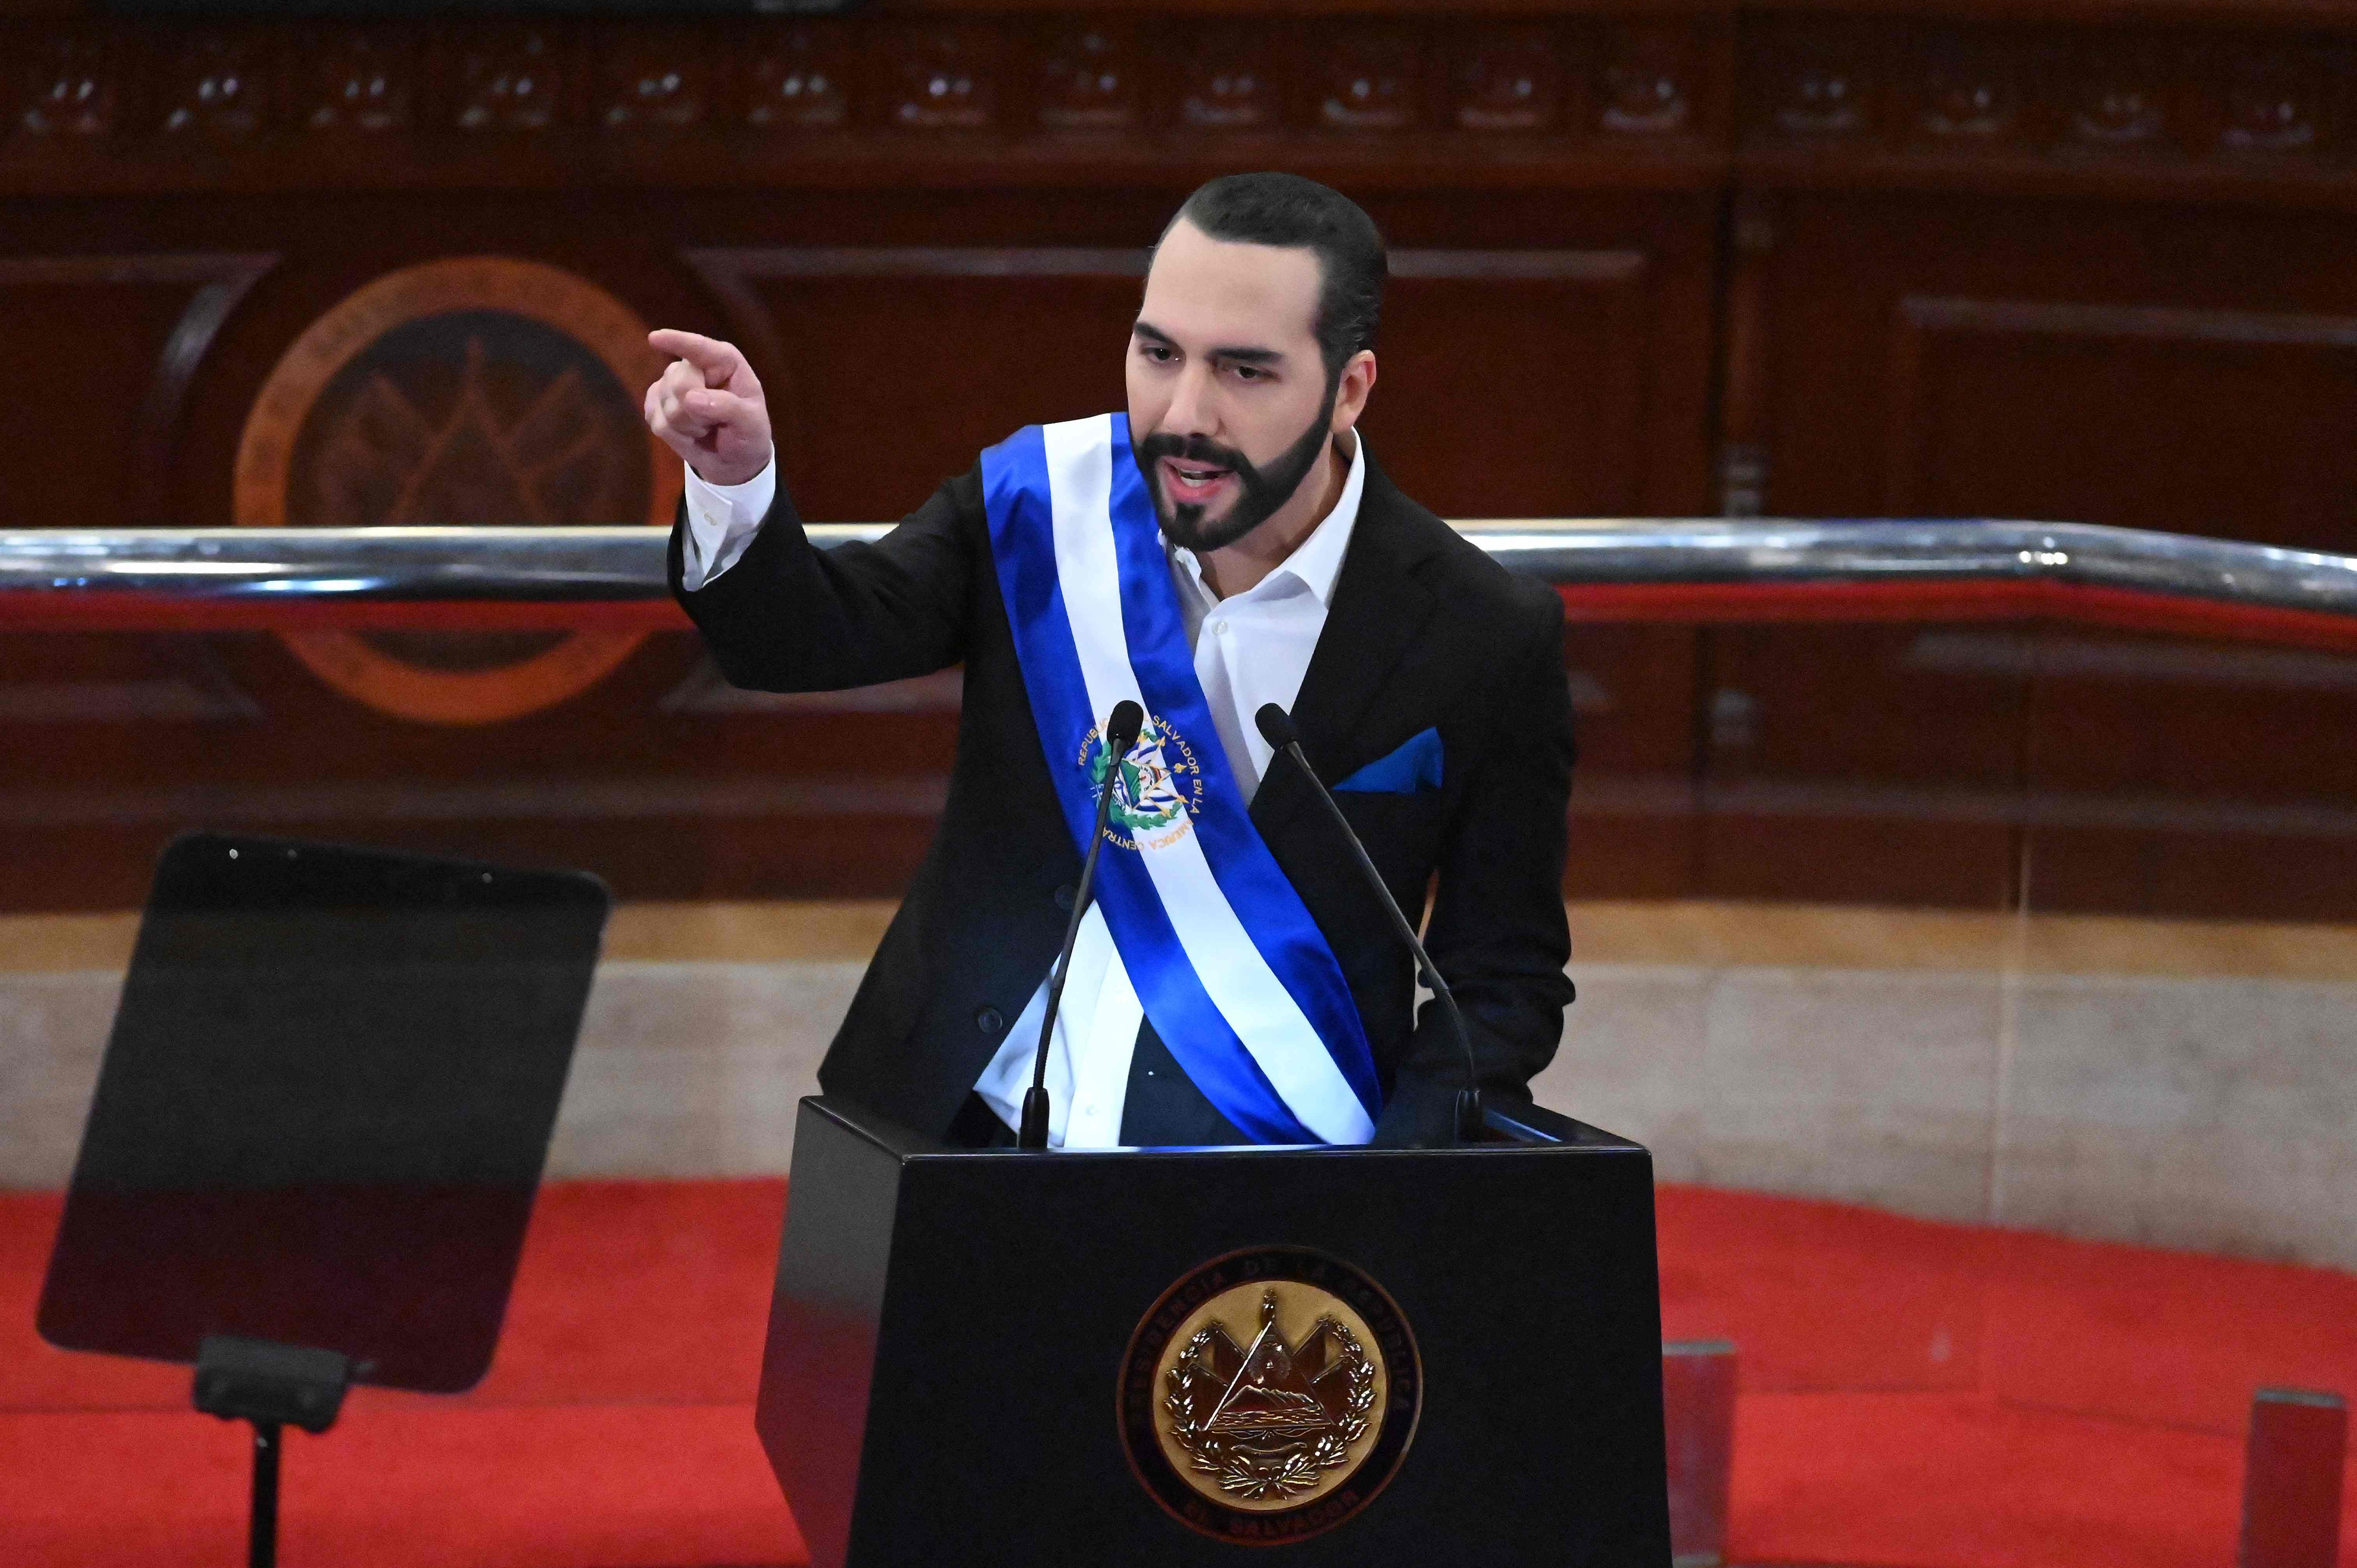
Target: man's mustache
point(1193, 449)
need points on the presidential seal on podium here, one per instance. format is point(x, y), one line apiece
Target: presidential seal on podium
point(1269, 1395)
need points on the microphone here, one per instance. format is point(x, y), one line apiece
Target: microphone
point(1121, 729)
point(1276, 727)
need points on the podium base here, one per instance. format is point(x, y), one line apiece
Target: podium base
point(999, 1356)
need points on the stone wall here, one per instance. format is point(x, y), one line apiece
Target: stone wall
point(2162, 1082)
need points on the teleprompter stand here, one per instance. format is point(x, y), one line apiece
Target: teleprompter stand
point(1170, 1356)
point(274, 1386)
point(320, 1126)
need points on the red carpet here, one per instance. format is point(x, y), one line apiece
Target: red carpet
point(615, 1429)
point(1914, 1394)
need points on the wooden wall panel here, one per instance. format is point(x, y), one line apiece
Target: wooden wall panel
point(1567, 330)
point(892, 373)
point(1635, 831)
point(100, 351)
point(892, 369)
point(2150, 367)
point(1664, 260)
point(109, 749)
point(1839, 765)
point(2186, 369)
point(2211, 780)
point(2095, 412)
point(889, 369)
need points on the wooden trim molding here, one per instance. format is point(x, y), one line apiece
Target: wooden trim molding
point(1919, 318)
point(1742, 380)
point(2198, 100)
point(2156, 322)
point(866, 102)
point(2130, 106)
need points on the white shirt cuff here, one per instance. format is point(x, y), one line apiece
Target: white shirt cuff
point(722, 520)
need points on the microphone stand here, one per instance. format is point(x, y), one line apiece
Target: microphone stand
point(1277, 728)
point(1120, 733)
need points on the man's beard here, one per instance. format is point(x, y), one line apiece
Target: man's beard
point(1264, 490)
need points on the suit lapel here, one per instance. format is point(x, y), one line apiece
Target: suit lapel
point(1379, 609)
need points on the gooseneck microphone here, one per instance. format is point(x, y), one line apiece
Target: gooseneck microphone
point(1276, 727)
point(1121, 729)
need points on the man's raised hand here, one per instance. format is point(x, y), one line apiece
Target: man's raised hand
point(706, 406)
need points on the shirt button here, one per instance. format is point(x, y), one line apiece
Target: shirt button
point(1219, 628)
point(990, 1020)
point(1064, 897)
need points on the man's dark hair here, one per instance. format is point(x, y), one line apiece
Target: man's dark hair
point(1285, 210)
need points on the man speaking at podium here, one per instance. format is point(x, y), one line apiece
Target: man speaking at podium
point(1227, 544)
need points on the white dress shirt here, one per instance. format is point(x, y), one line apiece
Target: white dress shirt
point(1251, 649)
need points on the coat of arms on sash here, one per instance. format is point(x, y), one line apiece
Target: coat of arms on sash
point(1269, 1395)
point(1158, 785)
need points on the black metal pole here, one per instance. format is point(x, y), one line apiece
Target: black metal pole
point(261, 1525)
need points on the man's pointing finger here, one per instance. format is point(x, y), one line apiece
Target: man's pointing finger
point(719, 361)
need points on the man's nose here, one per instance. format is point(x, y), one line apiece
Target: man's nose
point(1192, 411)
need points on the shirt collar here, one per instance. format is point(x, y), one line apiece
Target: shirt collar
point(1317, 561)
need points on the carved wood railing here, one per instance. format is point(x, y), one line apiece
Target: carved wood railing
point(2239, 101)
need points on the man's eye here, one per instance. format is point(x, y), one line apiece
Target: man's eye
point(1249, 372)
point(1158, 353)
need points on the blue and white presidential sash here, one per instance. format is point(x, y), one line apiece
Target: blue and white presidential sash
point(1233, 974)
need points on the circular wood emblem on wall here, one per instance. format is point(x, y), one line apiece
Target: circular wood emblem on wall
point(481, 390)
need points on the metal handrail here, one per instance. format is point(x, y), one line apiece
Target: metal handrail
point(305, 575)
point(605, 563)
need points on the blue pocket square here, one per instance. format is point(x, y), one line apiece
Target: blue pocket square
point(1414, 766)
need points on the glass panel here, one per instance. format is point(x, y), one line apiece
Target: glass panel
point(2048, 932)
point(324, 1107)
point(2181, 1020)
point(1818, 1011)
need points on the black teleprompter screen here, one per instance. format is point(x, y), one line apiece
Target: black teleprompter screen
point(325, 1106)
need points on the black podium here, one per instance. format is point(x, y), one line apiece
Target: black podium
point(1342, 1355)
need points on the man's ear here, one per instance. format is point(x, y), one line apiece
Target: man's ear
point(1357, 380)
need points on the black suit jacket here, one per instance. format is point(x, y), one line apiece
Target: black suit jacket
point(1423, 631)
